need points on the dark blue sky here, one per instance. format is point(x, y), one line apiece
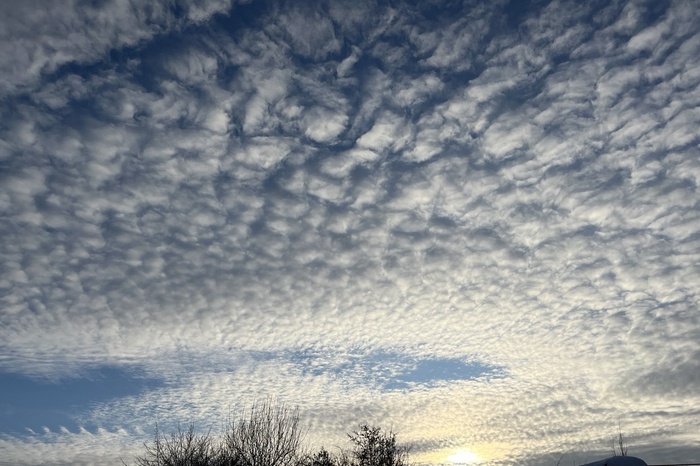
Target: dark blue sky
point(31, 403)
point(473, 222)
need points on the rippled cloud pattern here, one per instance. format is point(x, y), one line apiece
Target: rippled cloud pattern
point(477, 223)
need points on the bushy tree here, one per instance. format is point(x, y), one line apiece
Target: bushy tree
point(372, 447)
point(322, 458)
point(325, 458)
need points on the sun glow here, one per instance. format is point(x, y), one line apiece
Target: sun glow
point(463, 457)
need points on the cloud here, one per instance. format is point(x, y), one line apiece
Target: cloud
point(39, 38)
point(310, 203)
point(65, 447)
point(310, 33)
point(322, 125)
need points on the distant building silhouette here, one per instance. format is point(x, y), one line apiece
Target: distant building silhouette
point(618, 461)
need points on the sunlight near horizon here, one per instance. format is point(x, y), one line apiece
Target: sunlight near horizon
point(463, 456)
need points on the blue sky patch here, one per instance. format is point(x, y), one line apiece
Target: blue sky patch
point(394, 371)
point(37, 403)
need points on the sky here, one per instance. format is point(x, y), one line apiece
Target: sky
point(474, 223)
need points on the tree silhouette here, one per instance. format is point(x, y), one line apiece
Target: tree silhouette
point(372, 447)
point(270, 435)
point(182, 448)
point(323, 458)
point(619, 444)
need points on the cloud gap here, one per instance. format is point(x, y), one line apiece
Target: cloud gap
point(393, 371)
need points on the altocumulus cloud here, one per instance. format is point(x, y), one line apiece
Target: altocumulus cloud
point(474, 222)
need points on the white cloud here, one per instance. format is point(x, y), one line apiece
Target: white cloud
point(352, 183)
point(323, 125)
point(311, 33)
point(346, 65)
point(387, 133)
point(38, 38)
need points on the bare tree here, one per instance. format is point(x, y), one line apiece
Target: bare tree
point(270, 435)
point(182, 448)
point(619, 445)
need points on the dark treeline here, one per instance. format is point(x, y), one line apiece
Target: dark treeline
point(269, 435)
